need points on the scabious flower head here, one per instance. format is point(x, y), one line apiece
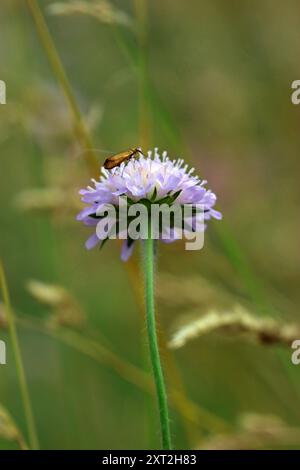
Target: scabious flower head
point(151, 179)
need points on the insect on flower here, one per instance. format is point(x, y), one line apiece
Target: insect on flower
point(116, 160)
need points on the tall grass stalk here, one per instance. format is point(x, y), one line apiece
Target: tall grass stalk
point(33, 438)
point(59, 71)
point(142, 73)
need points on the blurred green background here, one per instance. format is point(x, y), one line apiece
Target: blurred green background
point(209, 81)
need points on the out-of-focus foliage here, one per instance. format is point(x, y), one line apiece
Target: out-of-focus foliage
point(238, 320)
point(102, 10)
point(210, 81)
point(9, 430)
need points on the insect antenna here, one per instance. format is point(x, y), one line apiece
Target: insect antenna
point(98, 150)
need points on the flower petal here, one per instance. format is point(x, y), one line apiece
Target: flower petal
point(92, 242)
point(127, 250)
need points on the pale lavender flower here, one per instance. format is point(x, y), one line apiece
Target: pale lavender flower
point(152, 177)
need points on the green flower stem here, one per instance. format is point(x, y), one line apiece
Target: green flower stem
point(153, 343)
point(33, 439)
